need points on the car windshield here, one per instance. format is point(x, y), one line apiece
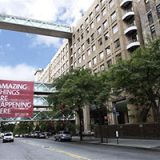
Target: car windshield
point(65, 132)
point(8, 134)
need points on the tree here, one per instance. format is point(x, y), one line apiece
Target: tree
point(139, 78)
point(75, 90)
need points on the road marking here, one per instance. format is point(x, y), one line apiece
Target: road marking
point(57, 150)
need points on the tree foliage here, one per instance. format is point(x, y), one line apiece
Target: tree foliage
point(75, 90)
point(139, 78)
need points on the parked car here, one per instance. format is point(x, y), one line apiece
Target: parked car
point(63, 136)
point(8, 137)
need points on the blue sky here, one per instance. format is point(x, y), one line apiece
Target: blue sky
point(22, 53)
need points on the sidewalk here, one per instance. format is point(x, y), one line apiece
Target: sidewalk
point(128, 143)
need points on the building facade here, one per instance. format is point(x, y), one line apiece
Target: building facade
point(150, 18)
point(110, 30)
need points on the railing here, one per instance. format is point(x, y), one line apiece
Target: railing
point(34, 23)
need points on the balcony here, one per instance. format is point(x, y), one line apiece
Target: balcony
point(125, 3)
point(128, 14)
point(130, 29)
point(133, 44)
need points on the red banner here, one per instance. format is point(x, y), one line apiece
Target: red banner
point(16, 99)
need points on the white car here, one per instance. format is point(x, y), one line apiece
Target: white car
point(62, 136)
point(8, 137)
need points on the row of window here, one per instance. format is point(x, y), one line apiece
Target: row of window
point(91, 39)
point(93, 62)
point(101, 54)
point(97, 9)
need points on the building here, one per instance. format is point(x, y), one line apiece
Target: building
point(150, 18)
point(110, 30)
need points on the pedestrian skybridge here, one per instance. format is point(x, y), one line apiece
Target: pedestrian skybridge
point(28, 25)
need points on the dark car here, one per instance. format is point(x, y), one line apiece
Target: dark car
point(63, 136)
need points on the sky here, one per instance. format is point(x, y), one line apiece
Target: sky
point(21, 54)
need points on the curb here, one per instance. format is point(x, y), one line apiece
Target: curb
point(121, 145)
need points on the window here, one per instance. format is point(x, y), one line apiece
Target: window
point(79, 51)
point(97, 8)
point(102, 67)
point(99, 30)
point(117, 43)
point(87, 30)
point(78, 39)
point(111, 3)
point(83, 57)
point(82, 36)
point(106, 36)
point(93, 47)
point(115, 29)
point(89, 64)
point(86, 21)
point(98, 18)
point(113, 16)
point(147, 5)
point(82, 27)
point(102, 1)
point(88, 41)
point(158, 10)
point(100, 41)
point(79, 60)
point(88, 52)
point(153, 31)
point(101, 55)
point(92, 25)
point(150, 17)
point(108, 50)
point(104, 12)
point(105, 24)
point(92, 37)
point(109, 63)
point(118, 57)
point(91, 15)
point(94, 60)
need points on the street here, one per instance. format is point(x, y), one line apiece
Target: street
point(47, 149)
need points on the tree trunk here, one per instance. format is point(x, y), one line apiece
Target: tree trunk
point(80, 123)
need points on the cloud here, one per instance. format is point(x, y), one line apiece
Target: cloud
point(66, 11)
point(48, 41)
point(19, 72)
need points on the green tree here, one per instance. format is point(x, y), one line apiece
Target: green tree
point(75, 90)
point(139, 78)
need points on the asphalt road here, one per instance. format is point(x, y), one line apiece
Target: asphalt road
point(45, 149)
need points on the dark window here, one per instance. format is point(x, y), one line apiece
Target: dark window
point(106, 36)
point(88, 41)
point(82, 36)
point(92, 37)
point(100, 41)
point(117, 43)
point(153, 31)
point(150, 17)
point(158, 11)
point(109, 63)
